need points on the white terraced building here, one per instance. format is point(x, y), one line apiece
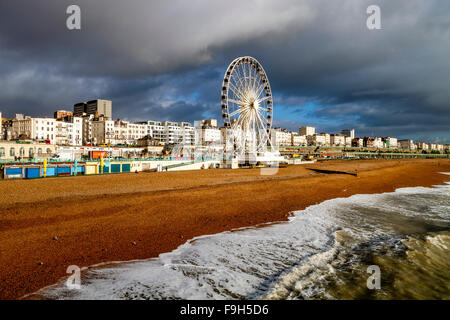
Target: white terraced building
point(280, 137)
point(407, 144)
point(34, 128)
point(337, 140)
point(207, 132)
point(171, 132)
point(117, 132)
point(307, 131)
point(319, 139)
point(391, 142)
point(70, 132)
point(298, 140)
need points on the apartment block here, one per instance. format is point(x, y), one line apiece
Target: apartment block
point(407, 144)
point(348, 133)
point(422, 146)
point(60, 114)
point(170, 132)
point(207, 132)
point(280, 137)
point(357, 142)
point(96, 108)
point(34, 128)
point(298, 140)
point(390, 142)
point(337, 140)
point(307, 131)
point(117, 132)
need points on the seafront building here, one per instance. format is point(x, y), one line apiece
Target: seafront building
point(407, 144)
point(422, 146)
point(390, 142)
point(337, 140)
point(96, 108)
point(12, 150)
point(357, 142)
point(117, 132)
point(348, 133)
point(298, 139)
point(207, 132)
point(170, 132)
point(280, 137)
point(307, 131)
point(91, 124)
point(41, 129)
point(70, 131)
point(61, 114)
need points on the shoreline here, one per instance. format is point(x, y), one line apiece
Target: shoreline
point(143, 215)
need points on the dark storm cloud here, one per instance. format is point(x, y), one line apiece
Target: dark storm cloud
point(165, 59)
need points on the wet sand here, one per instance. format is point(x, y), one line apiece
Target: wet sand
point(48, 224)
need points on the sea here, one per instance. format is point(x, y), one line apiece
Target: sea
point(393, 245)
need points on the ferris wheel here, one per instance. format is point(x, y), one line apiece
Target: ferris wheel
point(246, 100)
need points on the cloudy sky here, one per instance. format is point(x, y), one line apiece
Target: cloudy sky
point(165, 60)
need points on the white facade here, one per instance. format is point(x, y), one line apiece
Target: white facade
point(69, 132)
point(436, 147)
point(316, 140)
point(348, 133)
point(10, 150)
point(207, 132)
point(117, 132)
point(34, 128)
point(378, 143)
point(299, 140)
point(407, 144)
point(337, 140)
point(391, 142)
point(307, 131)
point(357, 142)
point(422, 145)
point(87, 129)
point(319, 139)
point(206, 136)
point(280, 137)
point(172, 132)
point(348, 141)
point(62, 133)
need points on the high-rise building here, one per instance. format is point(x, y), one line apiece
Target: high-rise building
point(59, 114)
point(307, 131)
point(96, 107)
point(348, 133)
